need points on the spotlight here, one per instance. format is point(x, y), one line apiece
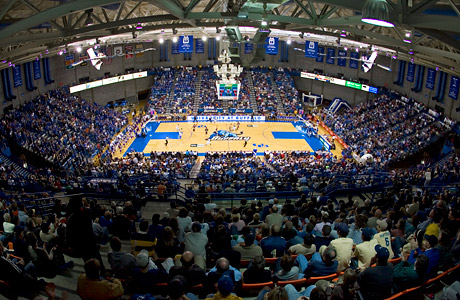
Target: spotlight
point(139, 26)
point(437, 68)
point(345, 48)
point(161, 41)
point(61, 52)
point(78, 49)
point(89, 20)
point(204, 38)
point(357, 49)
point(288, 42)
point(174, 39)
point(377, 12)
point(218, 38)
point(263, 23)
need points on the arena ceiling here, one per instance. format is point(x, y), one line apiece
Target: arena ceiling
point(33, 28)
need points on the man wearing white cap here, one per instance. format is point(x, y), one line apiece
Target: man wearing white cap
point(383, 236)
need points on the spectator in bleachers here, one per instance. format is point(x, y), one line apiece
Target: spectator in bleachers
point(256, 272)
point(222, 268)
point(326, 266)
point(286, 270)
point(92, 287)
point(377, 282)
point(193, 273)
point(343, 247)
point(383, 236)
point(365, 251)
point(306, 248)
point(168, 245)
point(407, 275)
point(196, 242)
point(248, 249)
point(185, 223)
point(274, 242)
point(274, 218)
point(225, 289)
point(147, 274)
point(428, 248)
point(325, 239)
point(143, 240)
point(121, 263)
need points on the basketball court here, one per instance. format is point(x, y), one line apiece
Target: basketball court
point(247, 136)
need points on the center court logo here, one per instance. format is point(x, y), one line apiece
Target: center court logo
point(224, 135)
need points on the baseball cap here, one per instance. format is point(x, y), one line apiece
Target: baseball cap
point(382, 252)
point(225, 285)
point(142, 258)
point(383, 224)
point(342, 227)
point(367, 232)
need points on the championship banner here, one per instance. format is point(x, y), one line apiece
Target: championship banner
point(453, 90)
point(37, 70)
point(129, 51)
point(354, 60)
point(139, 48)
point(69, 61)
point(118, 51)
point(271, 45)
point(341, 61)
point(199, 46)
point(410, 72)
point(17, 78)
point(248, 47)
point(430, 79)
point(330, 56)
point(186, 44)
point(320, 57)
point(175, 48)
point(311, 49)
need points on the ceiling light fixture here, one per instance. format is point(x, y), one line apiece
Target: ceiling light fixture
point(377, 12)
point(174, 39)
point(288, 42)
point(89, 20)
point(161, 41)
point(218, 38)
point(79, 49)
point(263, 23)
point(204, 38)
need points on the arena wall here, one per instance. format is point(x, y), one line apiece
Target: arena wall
point(102, 95)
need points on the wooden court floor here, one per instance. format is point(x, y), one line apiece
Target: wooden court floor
point(260, 134)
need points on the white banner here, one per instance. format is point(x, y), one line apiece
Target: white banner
point(225, 118)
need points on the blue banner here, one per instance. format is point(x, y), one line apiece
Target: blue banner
point(186, 44)
point(271, 45)
point(354, 60)
point(17, 78)
point(342, 61)
point(410, 72)
point(320, 56)
point(175, 48)
point(248, 47)
point(311, 49)
point(453, 90)
point(330, 56)
point(430, 78)
point(199, 46)
point(37, 71)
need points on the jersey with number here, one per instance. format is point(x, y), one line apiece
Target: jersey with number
point(384, 240)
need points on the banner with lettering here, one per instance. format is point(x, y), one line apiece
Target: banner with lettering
point(186, 44)
point(248, 47)
point(354, 60)
point(410, 72)
point(199, 46)
point(342, 61)
point(320, 57)
point(311, 49)
point(430, 79)
point(330, 56)
point(129, 51)
point(37, 70)
point(453, 90)
point(271, 45)
point(69, 61)
point(175, 48)
point(17, 78)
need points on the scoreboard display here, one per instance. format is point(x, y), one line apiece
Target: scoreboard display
point(228, 91)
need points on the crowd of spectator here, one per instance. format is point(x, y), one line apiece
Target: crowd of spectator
point(62, 128)
point(244, 97)
point(288, 92)
point(264, 92)
point(208, 90)
point(184, 90)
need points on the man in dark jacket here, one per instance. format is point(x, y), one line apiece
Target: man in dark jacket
point(375, 283)
point(189, 270)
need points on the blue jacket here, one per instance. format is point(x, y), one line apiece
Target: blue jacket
point(271, 243)
point(433, 257)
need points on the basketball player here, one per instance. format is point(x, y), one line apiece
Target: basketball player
point(166, 142)
point(245, 143)
point(205, 130)
point(208, 143)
